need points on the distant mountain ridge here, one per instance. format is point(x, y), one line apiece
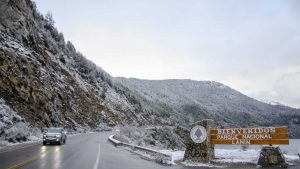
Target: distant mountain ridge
point(192, 100)
point(48, 83)
point(274, 103)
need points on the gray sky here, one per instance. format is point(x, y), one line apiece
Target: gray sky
point(252, 46)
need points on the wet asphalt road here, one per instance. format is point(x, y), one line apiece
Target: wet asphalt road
point(88, 151)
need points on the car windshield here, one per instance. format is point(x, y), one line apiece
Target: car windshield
point(53, 130)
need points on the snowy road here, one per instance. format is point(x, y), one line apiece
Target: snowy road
point(88, 151)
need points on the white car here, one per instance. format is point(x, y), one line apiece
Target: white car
point(54, 135)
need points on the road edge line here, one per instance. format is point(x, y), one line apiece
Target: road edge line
point(96, 164)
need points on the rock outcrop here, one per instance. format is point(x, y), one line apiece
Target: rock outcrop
point(271, 156)
point(48, 82)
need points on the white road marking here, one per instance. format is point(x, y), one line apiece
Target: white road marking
point(97, 158)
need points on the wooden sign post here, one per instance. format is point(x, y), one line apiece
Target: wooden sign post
point(200, 144)
point(269, 155)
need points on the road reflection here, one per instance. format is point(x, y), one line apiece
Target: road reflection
point(57, 157)
point(50, 156)
point(43, 152)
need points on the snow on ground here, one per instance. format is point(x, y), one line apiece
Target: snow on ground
point(193, 164)
point(176, 155)
point(14, 129)
point(249, 156)
point(236, 156)
point(7, 145)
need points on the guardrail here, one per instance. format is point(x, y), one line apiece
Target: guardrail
point(161, 157)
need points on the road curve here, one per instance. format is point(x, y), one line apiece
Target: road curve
point(86, 151)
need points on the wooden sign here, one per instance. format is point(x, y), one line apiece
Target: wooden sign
point(262, 135)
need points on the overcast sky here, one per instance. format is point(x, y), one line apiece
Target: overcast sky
point(251, 46)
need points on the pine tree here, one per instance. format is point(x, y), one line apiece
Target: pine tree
point(49, 19)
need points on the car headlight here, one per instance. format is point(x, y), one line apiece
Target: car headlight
point(44, 135)
point(57, 135)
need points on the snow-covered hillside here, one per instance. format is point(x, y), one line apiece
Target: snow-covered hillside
point(47, 82)
point(190, 101)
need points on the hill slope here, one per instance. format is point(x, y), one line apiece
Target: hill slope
point(191, 101)
point(46, 81)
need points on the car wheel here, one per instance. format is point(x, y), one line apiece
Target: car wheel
point(60, 141)
point(44, 143)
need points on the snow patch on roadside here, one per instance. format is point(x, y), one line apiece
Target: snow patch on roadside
point(175, 155)
point(208, 165)
point(151, 156)
point(14, 129)
point(248, 156)
point(228, 156)
point(236, 156)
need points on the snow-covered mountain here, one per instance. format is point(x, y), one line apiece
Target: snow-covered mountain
point(188, 101)
point(46, 82)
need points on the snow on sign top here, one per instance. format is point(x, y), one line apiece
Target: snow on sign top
point(198, 134)
point(259, 135)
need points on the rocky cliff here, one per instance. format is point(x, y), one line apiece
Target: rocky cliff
point(46, 81)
